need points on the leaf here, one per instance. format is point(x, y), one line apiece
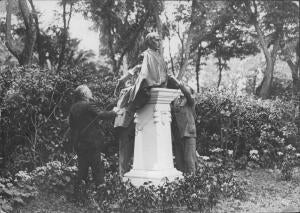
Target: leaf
point(19, 200)
point(8, 192)
point(9, 185)
point(6, 207)
point(68, 179)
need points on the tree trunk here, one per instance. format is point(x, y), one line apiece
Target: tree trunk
point(112, 54)
point(171, 57)
point(296, 89)
point(187, 46)
point(266, 85)
point(3, 144)
point(220, 72)
point(264, 90)
point(10, 43)
point(22, 52)
point(64, 36)
point(197, 68)
point(42, 56)
point(159, 29)
point(295, 77)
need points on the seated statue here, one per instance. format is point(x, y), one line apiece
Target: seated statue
point(151, 73)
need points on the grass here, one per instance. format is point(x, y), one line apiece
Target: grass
point(266, 192)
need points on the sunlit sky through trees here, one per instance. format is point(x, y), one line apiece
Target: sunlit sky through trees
point(82, 29)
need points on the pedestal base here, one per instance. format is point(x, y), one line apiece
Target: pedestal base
point(153, 158)
point(139, 177)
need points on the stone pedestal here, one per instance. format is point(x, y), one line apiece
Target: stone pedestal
point(153, 158)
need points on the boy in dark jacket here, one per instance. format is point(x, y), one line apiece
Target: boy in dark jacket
point(86, 136)
point(184, 128)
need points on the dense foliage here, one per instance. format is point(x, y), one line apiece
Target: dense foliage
point(15, 192)
point(35, 105)
point(195, 192)
point(34, 111)
point(241, 124)
point(234, 132)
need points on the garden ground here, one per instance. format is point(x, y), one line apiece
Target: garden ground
point(265, 192)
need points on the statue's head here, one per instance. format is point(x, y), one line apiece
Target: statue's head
point(152, 41)
point(83, 93)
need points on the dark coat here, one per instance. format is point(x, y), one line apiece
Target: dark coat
point(183, 109)
point(86, 132)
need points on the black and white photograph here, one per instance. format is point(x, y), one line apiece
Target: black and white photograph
point(149, 106)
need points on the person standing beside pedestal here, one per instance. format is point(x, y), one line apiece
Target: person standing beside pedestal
point(152, 73)
point(86, 136)
point(124, 128)
point(184, 128)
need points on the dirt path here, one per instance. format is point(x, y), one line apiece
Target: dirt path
point(265, 192)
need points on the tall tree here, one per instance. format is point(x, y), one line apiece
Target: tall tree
point(22, 49)
point(230, 42)
point(38, 45)
point(158, 7)
point(66, 17)
point(204, 18)
point(197, 67)
point(297, 97)
point(270, 20)
point(291, 54)
point(190, 34)
point(122, 25)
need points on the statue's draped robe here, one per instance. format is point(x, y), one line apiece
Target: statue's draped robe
point(153, 73)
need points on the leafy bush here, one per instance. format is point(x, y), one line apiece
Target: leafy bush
point(54, 177)
point(240, 124)
point(199, 191)
point(16, 192)
point(289, 159)
point(282, 88)
point(34, 111)
point(35, 104)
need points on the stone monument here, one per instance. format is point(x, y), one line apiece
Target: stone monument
point(153, 158)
